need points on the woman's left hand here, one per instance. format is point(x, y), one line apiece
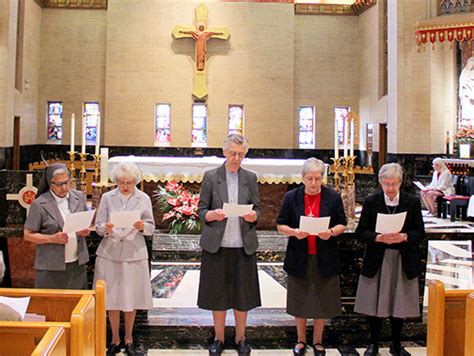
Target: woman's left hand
point(83, 233)
point(139, 225)
point(250, 217)
point(325, 235)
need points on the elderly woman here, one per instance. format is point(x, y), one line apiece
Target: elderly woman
point(441, 184)
point(122, 257)
point(312, 262)
point(229, 278)
point(61, 258)
point(388, 285)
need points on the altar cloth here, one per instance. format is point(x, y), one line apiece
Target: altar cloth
point(191, 169)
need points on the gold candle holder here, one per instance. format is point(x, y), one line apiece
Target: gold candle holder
point(82, 183)
point(335, 179)
point(72, 168)
point(351, 174)
point(97, 168)
point(345, 174)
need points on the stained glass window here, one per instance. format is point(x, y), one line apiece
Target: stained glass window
point(92, 117)
point(162, 124)
point(55, 121)
point(340, 114)
point(199, 130)
point(306, 127)
point(236, 119)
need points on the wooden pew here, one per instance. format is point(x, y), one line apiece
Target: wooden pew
point(469, 335)
point(447, 320)
point(32, 338)
point(80, 312)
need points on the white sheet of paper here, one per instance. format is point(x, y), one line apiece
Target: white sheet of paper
point(124, 218)
point(419, 185)
point(314, 226)
point(233, 210)
point(390, 223)
point(78, 221)
point(18, 304)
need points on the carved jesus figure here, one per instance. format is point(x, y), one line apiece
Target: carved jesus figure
point(201, 36)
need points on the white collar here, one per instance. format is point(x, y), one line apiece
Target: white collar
point(59, 200)
point(393, 202)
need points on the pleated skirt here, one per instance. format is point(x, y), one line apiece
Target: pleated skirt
point(228, 280)
point(128, 284)
point(389, 292)
point(313, 297)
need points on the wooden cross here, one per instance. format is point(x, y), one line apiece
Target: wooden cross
point(201, 34)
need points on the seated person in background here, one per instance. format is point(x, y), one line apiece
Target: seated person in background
point(441, 184)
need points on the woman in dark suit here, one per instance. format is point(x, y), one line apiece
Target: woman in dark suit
point(388, 285)
point(229, 278)
point(312, 262)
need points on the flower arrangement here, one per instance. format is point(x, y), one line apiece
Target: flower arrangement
point(465, 135)
point(179, 206)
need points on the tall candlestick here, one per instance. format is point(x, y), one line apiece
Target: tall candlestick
point(346, 136)
point(83, 148)
point(73, 132)
point(97, 138)
point(352, 138)
point(336, 141)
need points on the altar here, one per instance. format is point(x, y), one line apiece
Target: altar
point(274, 177)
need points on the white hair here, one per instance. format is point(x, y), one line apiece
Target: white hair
point(313, 164)
point(236, 139)
point(391, 170)
point(126, 170)
point(441, 163)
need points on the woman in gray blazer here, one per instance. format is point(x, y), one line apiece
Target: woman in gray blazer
point(61, 258)
point(122, 257)
point(229, 278)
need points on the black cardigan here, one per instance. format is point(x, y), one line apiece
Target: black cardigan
point(296, 258)
point(413, 227)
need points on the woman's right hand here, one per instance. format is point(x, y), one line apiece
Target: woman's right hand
point(218, 214)
point(109, 228)
point(299, 234)
point(59, 238)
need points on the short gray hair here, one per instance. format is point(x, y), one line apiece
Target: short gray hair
point(313, 164)
point(440, 161)
point(236, 139)
point(391, 170)
point(126, 170)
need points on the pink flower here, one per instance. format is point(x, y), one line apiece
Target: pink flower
point(168, 215)
point(173, 186)
point(173, 201)
point(187, 210)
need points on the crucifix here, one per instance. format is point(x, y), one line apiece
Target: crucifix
point(26, 195)
point(201, 34)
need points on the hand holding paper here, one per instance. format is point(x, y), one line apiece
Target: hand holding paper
point(235, 210)
point(390, 223)
point(314, 226)
point(78, 221)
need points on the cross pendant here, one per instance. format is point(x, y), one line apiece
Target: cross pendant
point(310, 214)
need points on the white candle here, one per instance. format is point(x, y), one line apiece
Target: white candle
point(104, 165)
point(346, 136)
point(336, 141)
point(73, 132)
point(97, 138)
point(83, 148)
point(352, 138)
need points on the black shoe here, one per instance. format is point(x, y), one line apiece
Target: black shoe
point(319, 351)
point(243, 349)
point(299, 351)
point(216, 348)
point(130, 350)
point(401, 352)
point(113, 349)
point(372, 350)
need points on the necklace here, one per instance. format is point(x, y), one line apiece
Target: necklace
point(390, 211)
point(312, 206)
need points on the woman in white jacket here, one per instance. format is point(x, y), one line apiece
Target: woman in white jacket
point(441, 184)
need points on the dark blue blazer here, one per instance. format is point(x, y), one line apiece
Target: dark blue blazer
point(413, 227)
point(296, 258)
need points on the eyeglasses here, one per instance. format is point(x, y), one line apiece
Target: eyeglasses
point(127, 183)
point(236, 154)
point(391, 185)
point(60, 184)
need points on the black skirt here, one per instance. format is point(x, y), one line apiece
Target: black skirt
point(228, 280)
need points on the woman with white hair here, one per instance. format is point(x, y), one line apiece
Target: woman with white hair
point(388, 284)
point(312, 261)
point(441, 184)
point(122, 257)
point(61, 258)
